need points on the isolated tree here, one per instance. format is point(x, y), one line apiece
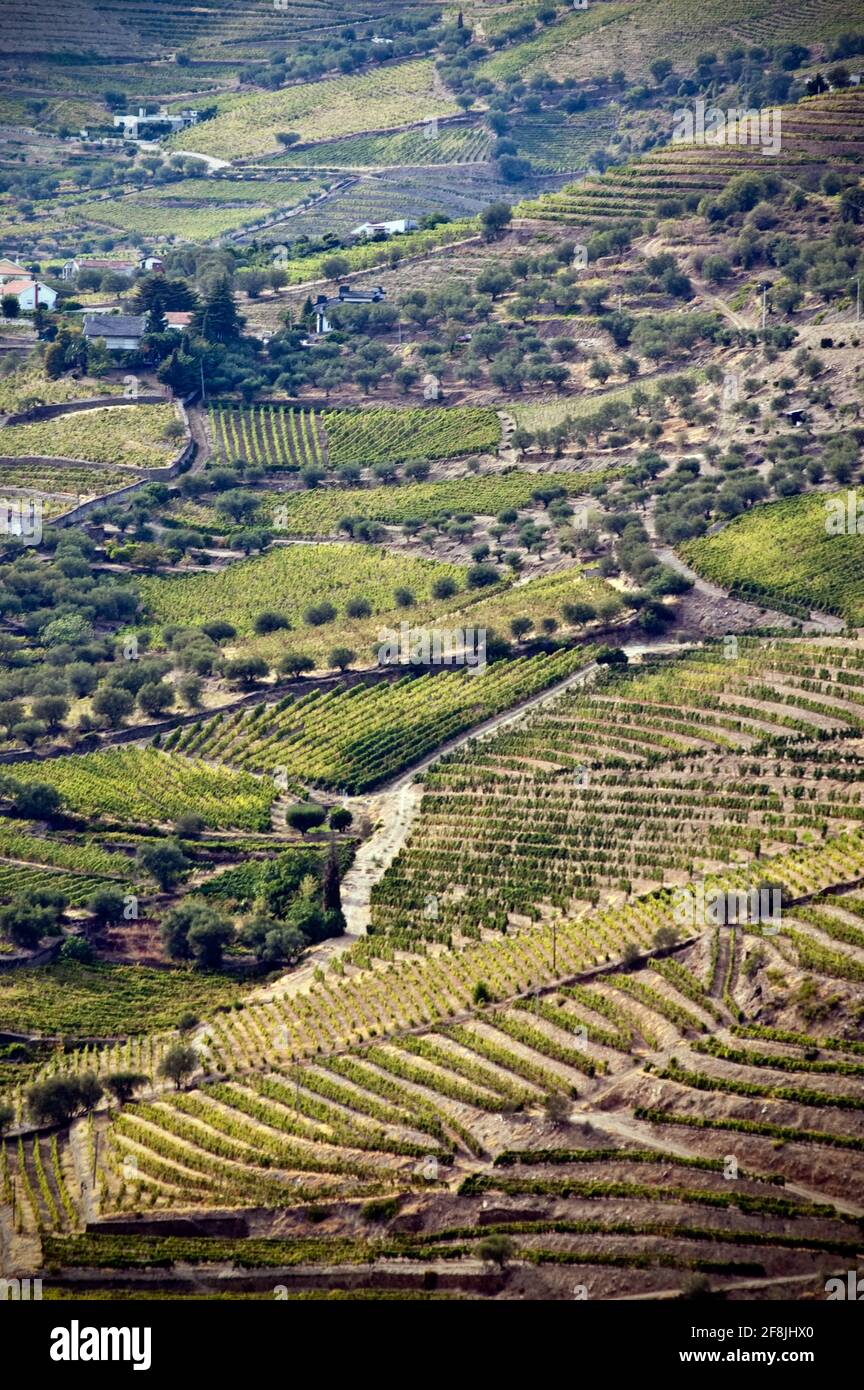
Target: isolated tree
point(25, 925)
point(36, 801)
point(305, 816)
point(189, 826)
point(271, 621)
point(123, 1084)
point(340, 818)
point(494, 219)
point(246, 670)
point(178, 1064)
point(196, 931)
point(274, 942)
point(497, 1250)
point(155, 697)
point(11, 713)
point(112, 703)
point(341, 657)
point(52, 710)
point(295, 664)
point(335, 267)
point(217, 319)
point(665, 936)
point(557, 1108)
point(58, 1099)
point(166, 862)
point(107, 905)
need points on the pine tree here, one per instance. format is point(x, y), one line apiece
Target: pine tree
point(331, 894)
point(218, 320)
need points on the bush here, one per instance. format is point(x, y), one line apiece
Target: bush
point(77, 949)
point(318, 614)
point(270, 621)
point(480, 576)
point(305, 816)
point(107, 906)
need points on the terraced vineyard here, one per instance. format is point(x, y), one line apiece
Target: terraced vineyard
point(556, 144)
point(365, 436)
point(417, 192)
point(444, 145)
point(19, 843)
point(355, 738)
point(643, 781)
point(199, 209)
point(279, 437)
point(624, 37)
point(326, 972)
point(400, 1112)
point(141, 785)
point(318, 513)
point(247, 125)
point(272, 436)
point(824, 128)
point(366, 255)
point(105, 1001)
point(291, 580)
point(29, 385)
point(63, 482)
point(785, 554)
point(135, 434)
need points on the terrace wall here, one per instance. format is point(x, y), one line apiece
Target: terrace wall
point(48, 412)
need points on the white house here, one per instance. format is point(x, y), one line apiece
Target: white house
point(103, 265)
point(121, 332)
point(151, 263)
point(369, 229)
point(132, 125)
point(31, 294)
point(11, 270)
point(346, 295)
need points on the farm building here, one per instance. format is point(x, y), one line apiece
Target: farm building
point(178, 320)
point(121, 332)
point(10, 270)
point(345, 295)
point(133, 125)
point(101, 264)
point(395, 228)
point(31, 294)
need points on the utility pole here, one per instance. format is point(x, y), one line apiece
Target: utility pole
point(764, 304)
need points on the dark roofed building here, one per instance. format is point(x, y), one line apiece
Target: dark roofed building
point(122, 332)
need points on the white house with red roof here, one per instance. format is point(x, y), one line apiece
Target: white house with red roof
point(31, 294)
point(103, 265)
